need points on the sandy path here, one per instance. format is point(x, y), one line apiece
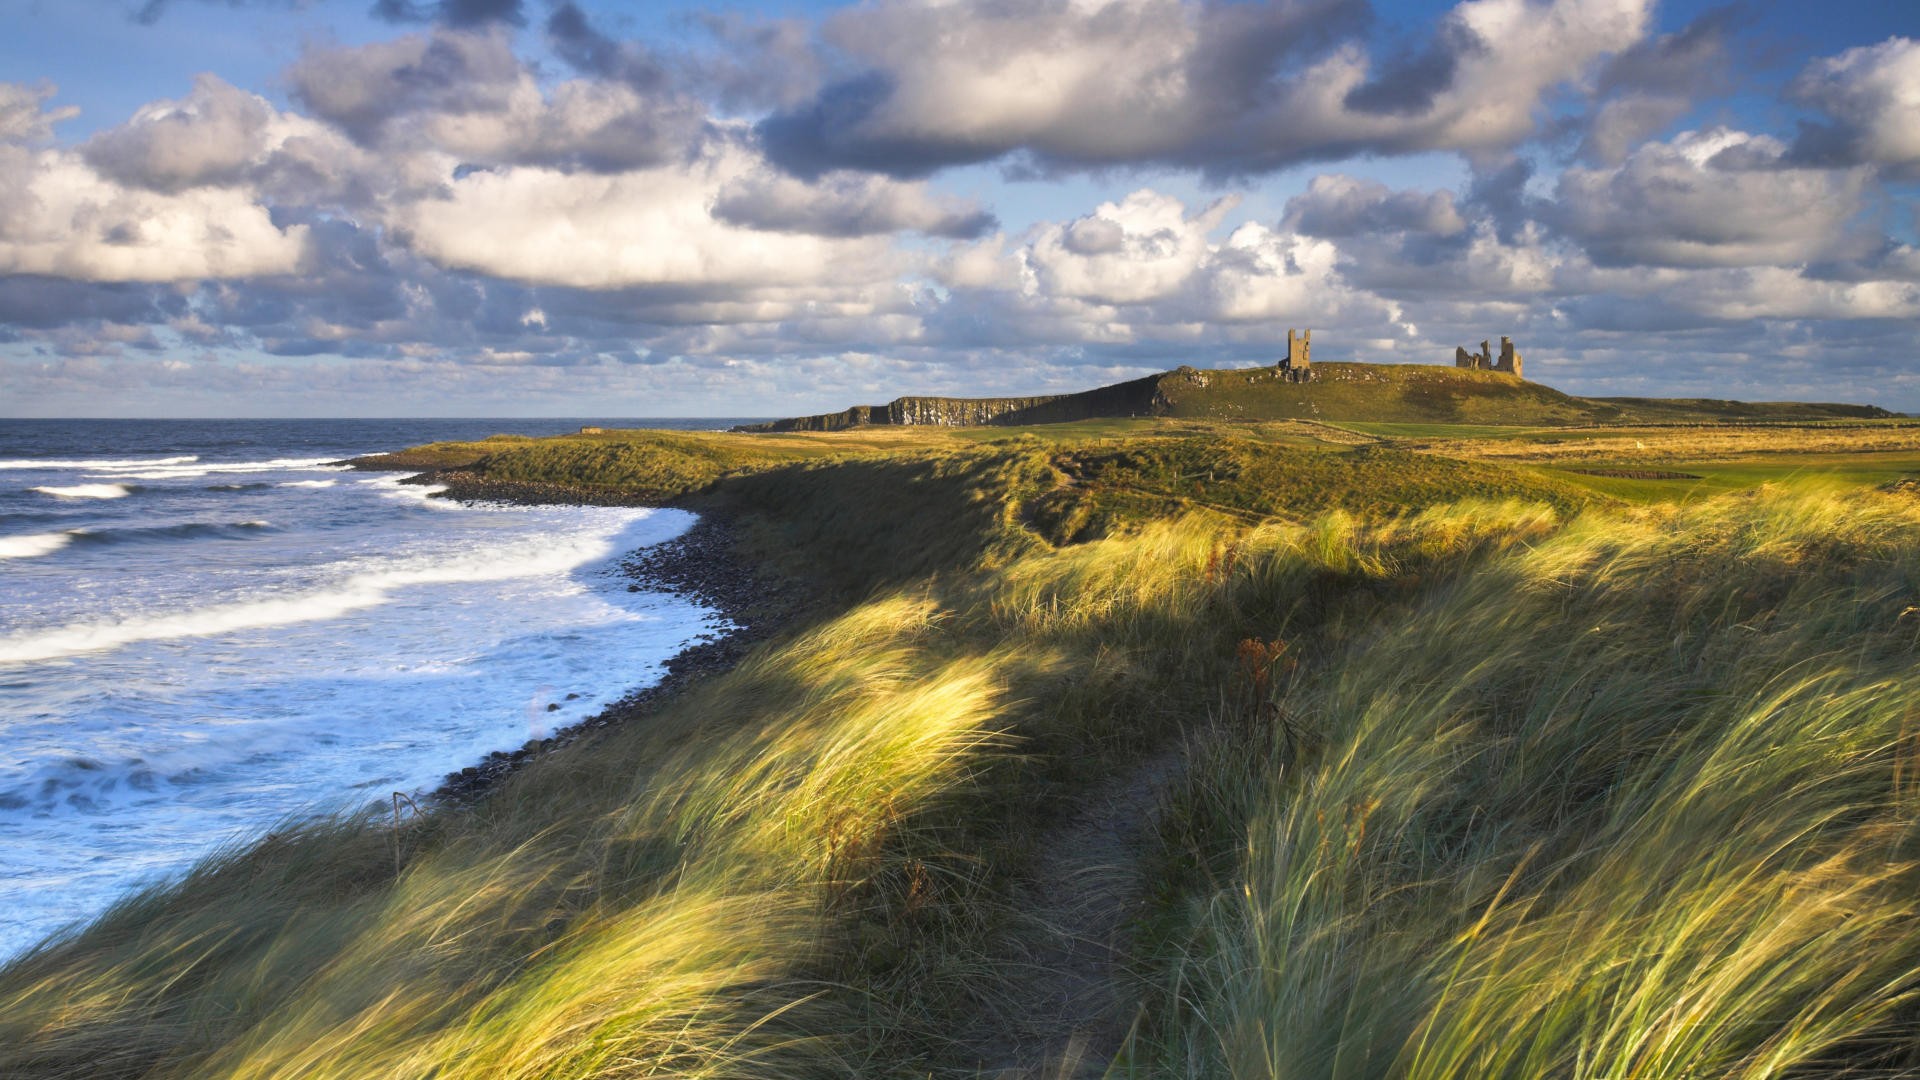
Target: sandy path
point(1068, 1011)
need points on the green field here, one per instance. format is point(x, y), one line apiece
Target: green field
point(1172, 746)
point(1408, 396)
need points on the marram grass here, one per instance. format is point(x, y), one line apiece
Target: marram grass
point(1635, 803)
point(1479, 787)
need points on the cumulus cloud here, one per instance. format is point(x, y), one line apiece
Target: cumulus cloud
point(1336, 205)
point(1710, 198)
point(362, 88)
point(440, 211)
point(24, 116)
point(1141, 248)
point(212, 137)
point(641, 227)
point(1872, 95)
point(846, 204)
point(1643, 89)
point(1231, 89)
point(581, 44)
point(1143, 274)
point(467, 94)
point(59, 217)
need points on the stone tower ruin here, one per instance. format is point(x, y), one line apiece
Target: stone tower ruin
point(1297, 365)
point(1484, 360)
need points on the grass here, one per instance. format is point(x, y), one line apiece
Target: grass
point(1637, 801)
point(1490, 773)
point(1405, 396)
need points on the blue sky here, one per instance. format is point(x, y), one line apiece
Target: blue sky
point(513, 207)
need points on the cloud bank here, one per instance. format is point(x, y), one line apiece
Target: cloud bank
point(761, 220)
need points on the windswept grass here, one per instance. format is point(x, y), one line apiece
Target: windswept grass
point(1635, 802)
point(657, 901)
point(1488, 779)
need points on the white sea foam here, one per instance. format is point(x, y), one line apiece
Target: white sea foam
point(365, 589)
point(208, 468)
point(88, 491)
point(309, 483)
point(198, 688)
point(97, 463)
point(391, 487)
point(26, 547)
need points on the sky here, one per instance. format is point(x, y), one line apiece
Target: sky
point(574, 207)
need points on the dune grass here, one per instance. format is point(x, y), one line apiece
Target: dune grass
point(1488, 777)
point(1636, 801)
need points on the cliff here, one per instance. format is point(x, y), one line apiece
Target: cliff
point(1339, 393)
point(1139, 397)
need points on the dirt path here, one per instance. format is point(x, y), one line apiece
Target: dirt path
point(1068, 1012)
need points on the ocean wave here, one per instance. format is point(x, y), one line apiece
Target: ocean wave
point(392, 487)
point(308, 483)
point(33, 544)
point(88, 785)
point(367, 588)
point(209, 468)
point(255, 486)
point(89, 491)
point(96, 463)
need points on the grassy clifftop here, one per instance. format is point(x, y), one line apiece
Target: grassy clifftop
point(1339, 392)
point(1374, 762)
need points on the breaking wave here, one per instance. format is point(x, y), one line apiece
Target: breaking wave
point(26, 547)
point(356, 591)
point(186, 471)
point(89, 491)
point(94, 463)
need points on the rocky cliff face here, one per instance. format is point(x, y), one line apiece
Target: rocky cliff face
point(1137, 398)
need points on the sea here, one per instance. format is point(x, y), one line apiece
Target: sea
point(208, 627)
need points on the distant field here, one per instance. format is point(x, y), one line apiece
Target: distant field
point(1410, 397)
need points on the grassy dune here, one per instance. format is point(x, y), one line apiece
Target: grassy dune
point(1636, 801)
point(1481, 773)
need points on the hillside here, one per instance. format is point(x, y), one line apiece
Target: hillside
point(1340, 392)
point(1179, 749)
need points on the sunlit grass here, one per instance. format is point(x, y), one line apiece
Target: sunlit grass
point(1635, 802)
point(1487, 779)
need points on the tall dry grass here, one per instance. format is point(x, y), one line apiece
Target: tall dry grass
point(655, 903)
point(1635, 802)
point(1476, 793)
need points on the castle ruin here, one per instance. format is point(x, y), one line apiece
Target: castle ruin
point(1297, 365)
point(1508, 361)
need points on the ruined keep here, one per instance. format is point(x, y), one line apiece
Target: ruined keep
point(1297, 365)
point(1484, 360)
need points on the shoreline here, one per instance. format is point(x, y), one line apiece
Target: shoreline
point(700, 564)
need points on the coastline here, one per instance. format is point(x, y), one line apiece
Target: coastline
point(700, 563)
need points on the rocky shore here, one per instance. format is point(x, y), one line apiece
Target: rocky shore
point(472, 487)
point(700, 563)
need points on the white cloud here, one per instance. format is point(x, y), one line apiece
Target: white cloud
point(647, 227)
point(1873, 93)
point(1337, 205)
point(24, 116)
point(466, 95)
point(59, 217)
point(1142, 248)
point(1711, 198)
point(1227, 88)
point(845, 204)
